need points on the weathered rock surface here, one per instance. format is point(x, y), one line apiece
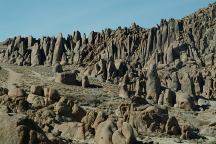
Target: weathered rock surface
point(157, 81)
point(67, 78)
point(17, 128)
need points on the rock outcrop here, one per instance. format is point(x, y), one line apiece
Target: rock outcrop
point(150, 77)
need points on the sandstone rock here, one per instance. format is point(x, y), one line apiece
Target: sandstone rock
point(85, 82)
point(138, 87)
point(111, 70)
point(118, 138)
point(78, 112)
point(18, 129)
point(125, 135)
point(76, 53)
point(184, 71)
point(88, 121)
point(16, 92)
point(121, 67)
point(104, 132)
point(3, 91)
point(187, 85)
point(4, 109)
point(57, 68)
point(208, 88)
point(23, 106)
point(37, 90)
point(71, 130)
point(172, 126)
point(64, 107)
point(58, 50)
point(209, 59)
point(67, 78)
point(184, 101)
point(175, 84)
point(161, 99)
point(36, 101)
point(101, 116)
point(169, 98)
point(103, 68)
point(151, 119)
point(123, 92)
point(64, 60)
point(186, 132)
point(36, 55)
point(153, 84)
point(51, 94)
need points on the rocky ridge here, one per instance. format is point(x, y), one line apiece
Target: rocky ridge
point(171, 66)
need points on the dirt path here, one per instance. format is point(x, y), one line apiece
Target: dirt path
point(41, 77)
point(14, 78)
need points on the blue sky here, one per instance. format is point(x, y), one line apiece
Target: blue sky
point(49, 17)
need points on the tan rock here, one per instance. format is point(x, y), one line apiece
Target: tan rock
point(16, 92)
point(71, 130)
point(104, 132)
point(85, 82)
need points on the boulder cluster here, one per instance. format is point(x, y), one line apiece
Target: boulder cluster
point(43, 116)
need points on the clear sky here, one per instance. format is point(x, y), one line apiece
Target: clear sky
point(49, 17)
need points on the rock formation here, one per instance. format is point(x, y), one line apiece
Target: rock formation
point(151, 80)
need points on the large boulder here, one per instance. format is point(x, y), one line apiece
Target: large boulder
point(88, 121)
point(64, 107)
point(37, 90)
point(151, 119)
point(172, 126)
point(101, 117)
point(16, 92)
point(67, 78)
point(184, 101)
point(36, 100)
point(71, 130)
point(51, 94)
point(124, 135)
point(104, 132)
point(17, 128)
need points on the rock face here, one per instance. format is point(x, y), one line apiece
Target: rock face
point(153, 84)
point(36, 57)
point(104, 132)
point(172, 126)
point(124, 135)
point(184, 101)
point(58, 50)
point(152, 79)
point(151, 119)
point(18, 129)
point(174, 40)
point(36, 100)
point(16, 92)
point(73, 130)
